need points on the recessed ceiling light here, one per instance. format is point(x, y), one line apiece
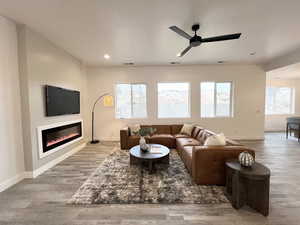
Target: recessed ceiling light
point(106, 56)
point(178, 54)
point(252, 53)
point(173, 63)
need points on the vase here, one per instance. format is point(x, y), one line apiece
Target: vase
point(143, 145)
point(246, 159)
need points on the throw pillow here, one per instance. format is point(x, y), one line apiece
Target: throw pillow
point(134, 129)
point(187, 129)
point(215, 140)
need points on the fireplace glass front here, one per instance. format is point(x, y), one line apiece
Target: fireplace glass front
point(58, 136)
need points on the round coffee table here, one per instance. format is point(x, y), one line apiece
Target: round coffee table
point(157, 153)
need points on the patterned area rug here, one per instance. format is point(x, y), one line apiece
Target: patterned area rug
point(115, 181)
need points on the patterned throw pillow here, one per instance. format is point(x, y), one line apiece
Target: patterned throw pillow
point(187, 129)
point(134, 129)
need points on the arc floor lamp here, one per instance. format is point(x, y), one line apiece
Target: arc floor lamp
point(108, 101)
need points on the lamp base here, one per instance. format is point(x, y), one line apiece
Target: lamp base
point(94, 141)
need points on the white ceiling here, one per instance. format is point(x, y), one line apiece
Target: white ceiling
point(287, 72)
point(137, 30)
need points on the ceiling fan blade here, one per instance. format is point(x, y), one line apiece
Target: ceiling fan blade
point(185, 51)
point(222, 38)
point(180, 32)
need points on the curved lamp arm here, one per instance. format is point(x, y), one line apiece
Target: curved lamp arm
point(98, 99)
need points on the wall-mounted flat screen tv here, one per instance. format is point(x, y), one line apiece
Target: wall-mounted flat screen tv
point(60, 101)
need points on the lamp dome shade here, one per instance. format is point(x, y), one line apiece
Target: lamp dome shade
point(108, 101)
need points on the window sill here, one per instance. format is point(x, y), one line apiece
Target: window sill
point(292, 114)
point(174, 117)
point(135, 118)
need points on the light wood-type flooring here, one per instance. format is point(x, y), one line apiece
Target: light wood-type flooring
point(42, 201)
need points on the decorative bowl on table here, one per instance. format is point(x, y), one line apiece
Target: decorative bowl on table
point(143, 132)
point(246, 159)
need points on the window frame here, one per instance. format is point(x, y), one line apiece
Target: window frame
point(189, 99)
point(116, 102)
point(231, 105)
point(293, 101)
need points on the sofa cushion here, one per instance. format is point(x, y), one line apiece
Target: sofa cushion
point(215, 140)
point(230, 142)
point(181, 136)
point(163, 139)
point(201, 137)
point(196, 131)
point(187, 129)
point(176, 128)
point(162, 129)
point(146, 126)
point(186, 156)
point(134, 129)
point(181, 142)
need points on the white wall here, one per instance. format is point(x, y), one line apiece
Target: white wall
point(11, 148)
point(278, 122)
point(249, 92)
point(283, 61)
point(42, 63)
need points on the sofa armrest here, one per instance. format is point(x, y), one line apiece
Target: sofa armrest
point(233, 142)
point(124, 134)
point(208, 162)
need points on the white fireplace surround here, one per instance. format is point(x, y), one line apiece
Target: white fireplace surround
point(45, 127)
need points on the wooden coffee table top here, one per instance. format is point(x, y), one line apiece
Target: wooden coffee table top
point(136, 152)
point(256, 171)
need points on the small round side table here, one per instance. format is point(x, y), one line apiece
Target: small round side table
point(250, 186)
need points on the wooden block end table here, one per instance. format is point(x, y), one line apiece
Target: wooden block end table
point(250, 186)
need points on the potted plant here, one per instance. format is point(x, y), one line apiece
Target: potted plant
point(145, 132)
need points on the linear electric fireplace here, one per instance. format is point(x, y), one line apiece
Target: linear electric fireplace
point(56, 136)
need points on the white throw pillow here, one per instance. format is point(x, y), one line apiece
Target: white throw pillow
point(187, 129)
point(215, 140)
point(134, 129)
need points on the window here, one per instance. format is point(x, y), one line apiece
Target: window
point(216, 99)
point(279, 100)
point(131, 101)
point(173, 100)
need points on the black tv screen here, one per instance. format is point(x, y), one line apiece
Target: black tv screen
point(60, 101)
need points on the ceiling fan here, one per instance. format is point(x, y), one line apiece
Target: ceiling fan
point(198, 40)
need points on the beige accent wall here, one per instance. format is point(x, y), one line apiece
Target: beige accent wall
point(11, 146)
point(249, 96)
point(41, 63)
point(278, 122)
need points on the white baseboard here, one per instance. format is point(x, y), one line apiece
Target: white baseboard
point(33, 174)
point(42, 169)
point(28, 175)
point(11, 181)
point(110, 139)
point(240, 138)
point(274, 130)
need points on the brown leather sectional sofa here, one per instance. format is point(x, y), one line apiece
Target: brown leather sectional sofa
point(206, 164)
